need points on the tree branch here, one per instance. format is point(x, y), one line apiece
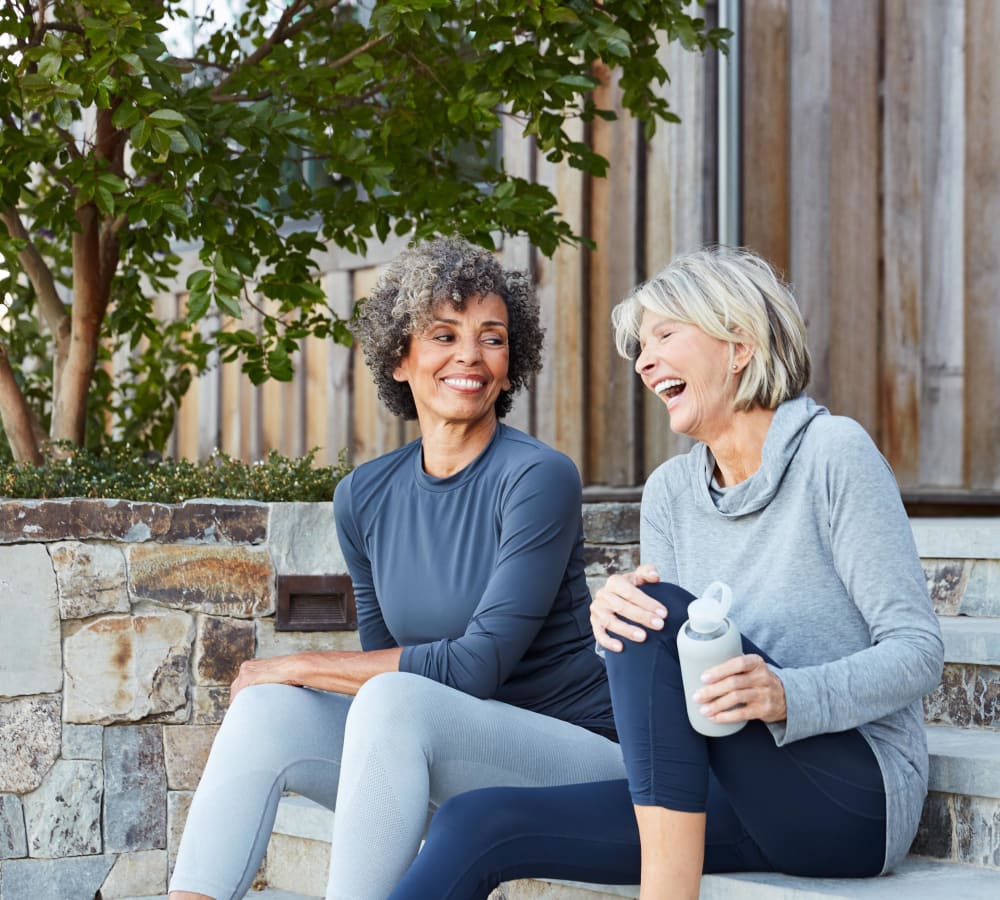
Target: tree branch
point(40, 276)
point(286, 27)
point(357, 51)
point(19, 423)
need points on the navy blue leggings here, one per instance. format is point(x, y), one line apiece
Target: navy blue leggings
point(815, 807)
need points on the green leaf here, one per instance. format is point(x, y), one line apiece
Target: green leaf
point(583, 82)
point(125, 116)
point(167, 117)
point(140, 134)
point(229, 305)
point(199, 280)
point(104, 200)
point(197, 305)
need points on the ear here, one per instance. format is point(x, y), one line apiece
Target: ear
point(400, 373)
point(505, 386)
point(742, 354)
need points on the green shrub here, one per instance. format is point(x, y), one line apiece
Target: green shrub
point(124, 473)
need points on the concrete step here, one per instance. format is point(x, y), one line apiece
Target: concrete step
point(916, 879)
point(964, 761)
point(957, 538)
point(266, 894)
point(972, 640)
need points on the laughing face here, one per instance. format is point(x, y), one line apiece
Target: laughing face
point(457, 366)
point(691, 372)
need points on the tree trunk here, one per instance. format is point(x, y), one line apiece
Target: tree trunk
point(18, 423)
point(69, 410)
point(95, 259)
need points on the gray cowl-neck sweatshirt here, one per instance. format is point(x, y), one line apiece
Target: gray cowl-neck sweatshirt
point(825, 575)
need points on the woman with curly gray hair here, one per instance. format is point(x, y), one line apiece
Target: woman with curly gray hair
point(465, 549)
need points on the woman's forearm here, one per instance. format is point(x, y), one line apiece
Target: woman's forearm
point(339, 671)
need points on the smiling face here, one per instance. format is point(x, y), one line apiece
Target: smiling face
point(691, 372)
point(457, 366)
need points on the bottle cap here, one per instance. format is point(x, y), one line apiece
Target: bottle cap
point(709, 611)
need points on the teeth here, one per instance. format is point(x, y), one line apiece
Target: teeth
point(464, 382)
point(666, 384)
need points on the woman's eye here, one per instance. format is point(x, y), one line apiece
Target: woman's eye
point(494, 340)
point(442, 338)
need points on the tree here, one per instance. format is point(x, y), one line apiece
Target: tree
point(114, 151)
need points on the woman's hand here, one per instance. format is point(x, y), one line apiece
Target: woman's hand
point(621, 599)
point(740, 689)
point(275, 670)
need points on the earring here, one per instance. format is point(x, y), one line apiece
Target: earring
point(736, 367)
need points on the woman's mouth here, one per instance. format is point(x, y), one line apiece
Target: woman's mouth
point(669, 388)
point(464, 384)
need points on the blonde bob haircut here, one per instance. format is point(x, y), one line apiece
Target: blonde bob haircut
point(732, 295)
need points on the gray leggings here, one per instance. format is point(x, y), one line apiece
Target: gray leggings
point(404, 746)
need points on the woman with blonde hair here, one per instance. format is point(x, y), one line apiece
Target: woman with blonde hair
point(798, 512)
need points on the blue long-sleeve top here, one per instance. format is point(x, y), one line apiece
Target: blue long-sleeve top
point(479, 577)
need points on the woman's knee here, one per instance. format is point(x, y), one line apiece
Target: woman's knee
point(393, 703)
point(676, 601)
point(638, 656)
point(271, 724)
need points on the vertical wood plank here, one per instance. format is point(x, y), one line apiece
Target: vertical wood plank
point(765, 129)
point(272, 421)
point(680, 173)
point(942, 407)
point(854, 211)
point(209, 391)
point(902, 237)
point(376, 430)
point(295, 407)
point(230, 388)
point(614, 436)
point(560, 386)
point(339, 383)
point(251, 434)
point(982, 245)
point(809, 158)
point(517, 253)
point(187, 416)
point(166, 307)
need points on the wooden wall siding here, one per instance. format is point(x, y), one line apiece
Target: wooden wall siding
point(765, 145)
point(561, 389)
point(981, 240)
point(612, 413)
point(680, 209)
point(870, 177)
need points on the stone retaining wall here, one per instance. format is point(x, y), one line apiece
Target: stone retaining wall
point(121, 627)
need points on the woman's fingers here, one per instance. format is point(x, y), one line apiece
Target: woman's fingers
point(621, 610)
point(742, 688)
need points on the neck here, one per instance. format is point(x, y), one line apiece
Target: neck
point(739, 449)
point(449, 448)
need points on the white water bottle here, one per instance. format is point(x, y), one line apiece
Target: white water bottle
point(706, 639)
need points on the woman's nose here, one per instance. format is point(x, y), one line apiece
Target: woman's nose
point(469, 351)
point(642, 362)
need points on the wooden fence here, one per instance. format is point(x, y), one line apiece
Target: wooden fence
point(870, 172)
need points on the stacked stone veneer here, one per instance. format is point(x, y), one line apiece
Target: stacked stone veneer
point(121, 627)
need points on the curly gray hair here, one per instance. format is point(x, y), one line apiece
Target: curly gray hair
point(410, 289)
